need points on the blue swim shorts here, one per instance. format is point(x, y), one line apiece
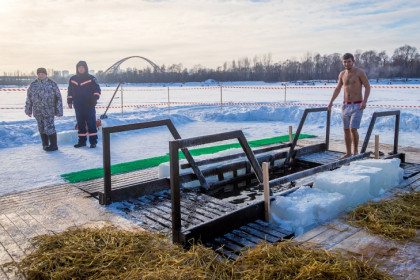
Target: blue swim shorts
point(351, 116)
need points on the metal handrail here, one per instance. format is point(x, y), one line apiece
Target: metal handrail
point(105, 198)
point(176, 145)
point(372, 124)
point(302, 121)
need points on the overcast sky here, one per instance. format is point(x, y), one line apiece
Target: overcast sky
point(57, 34)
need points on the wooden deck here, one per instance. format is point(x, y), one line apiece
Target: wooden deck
point(56, 208)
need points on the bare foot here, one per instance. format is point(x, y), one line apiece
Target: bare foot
point(345, 156)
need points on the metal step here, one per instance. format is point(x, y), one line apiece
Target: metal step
point(232, 244)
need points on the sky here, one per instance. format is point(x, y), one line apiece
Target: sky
point(56, 34)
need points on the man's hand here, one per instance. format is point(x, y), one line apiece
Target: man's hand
point(362, 105)
point(329, 106)
point(71, 106)
point(29, 115)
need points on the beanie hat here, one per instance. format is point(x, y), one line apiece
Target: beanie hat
point(41, 70)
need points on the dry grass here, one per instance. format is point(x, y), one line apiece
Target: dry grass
point(109, 253)
point(397, 218)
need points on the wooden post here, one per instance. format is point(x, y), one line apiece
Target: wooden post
point(169, 103)
point(266, 183)
point(377, 146)
point(290, 133)
point(122, 102)
point(221, 98)
point(285, 93)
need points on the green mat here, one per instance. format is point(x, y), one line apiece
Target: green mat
point(94, 173)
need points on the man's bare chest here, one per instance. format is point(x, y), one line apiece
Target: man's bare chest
point(351, 79)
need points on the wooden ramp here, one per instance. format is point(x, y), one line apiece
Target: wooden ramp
point(153, 212)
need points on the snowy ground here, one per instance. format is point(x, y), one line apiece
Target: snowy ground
point(24, 165)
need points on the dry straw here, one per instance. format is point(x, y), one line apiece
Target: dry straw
point(109, 253)
point(397, 218)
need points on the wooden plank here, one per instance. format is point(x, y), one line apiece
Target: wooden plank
point(271, 229)
point(10, 245)
point(239, 240)
point(275, 228)
point(219, 248)
point(247, 236)
point(259, 234)
point(231, 246)
point(16, 235)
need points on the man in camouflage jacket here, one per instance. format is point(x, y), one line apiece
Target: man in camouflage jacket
point(44, 101)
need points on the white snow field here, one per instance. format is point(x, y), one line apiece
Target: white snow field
point(334, 192)
point(256, 108)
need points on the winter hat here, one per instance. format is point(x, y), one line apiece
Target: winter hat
point(84, 64)
point(41, 70)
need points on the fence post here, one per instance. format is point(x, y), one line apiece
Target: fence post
point(290, 133)
point(376, 146)
point(169, 103)
point(221, 98)
point(122, 102)
point(266, 183)
point(285, 94)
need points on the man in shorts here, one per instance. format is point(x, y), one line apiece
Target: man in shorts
point(354, 103)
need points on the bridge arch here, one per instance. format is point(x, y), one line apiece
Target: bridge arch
point(117, 64)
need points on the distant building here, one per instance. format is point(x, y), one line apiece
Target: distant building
point(57, 73)
point(92, 72)
point(65, 73)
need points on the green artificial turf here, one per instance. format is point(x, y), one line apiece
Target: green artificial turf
point(94, 173)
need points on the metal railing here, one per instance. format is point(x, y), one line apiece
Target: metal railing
point(372, 124)
point(106, 197)
point(176, 145)
point(302, 121)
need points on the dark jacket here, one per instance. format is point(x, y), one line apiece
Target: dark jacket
point(84, 90)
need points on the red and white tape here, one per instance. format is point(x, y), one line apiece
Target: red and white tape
point(231, 104)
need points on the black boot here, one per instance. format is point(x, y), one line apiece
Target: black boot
point(44, 138)
point(53, 141)
point(80, 144)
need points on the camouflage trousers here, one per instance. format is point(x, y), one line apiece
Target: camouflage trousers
point(46, 125)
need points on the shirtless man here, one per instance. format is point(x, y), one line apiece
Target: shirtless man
point(353, 79)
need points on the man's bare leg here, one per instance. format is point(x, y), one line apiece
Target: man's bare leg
point(355, 140)
point(347, 141)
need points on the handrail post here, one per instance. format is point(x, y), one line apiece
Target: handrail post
point(266, 182)
point(106, 145)
point(327, 133)
point(396, 132)
point(175, 191)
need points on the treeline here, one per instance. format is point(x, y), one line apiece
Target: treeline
point(404, 63)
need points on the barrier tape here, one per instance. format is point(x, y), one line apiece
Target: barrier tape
point(226, 87)
point(229, 104)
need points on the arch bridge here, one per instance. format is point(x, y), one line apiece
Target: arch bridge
point(117, 64)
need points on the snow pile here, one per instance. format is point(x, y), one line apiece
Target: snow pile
point(334, 192)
